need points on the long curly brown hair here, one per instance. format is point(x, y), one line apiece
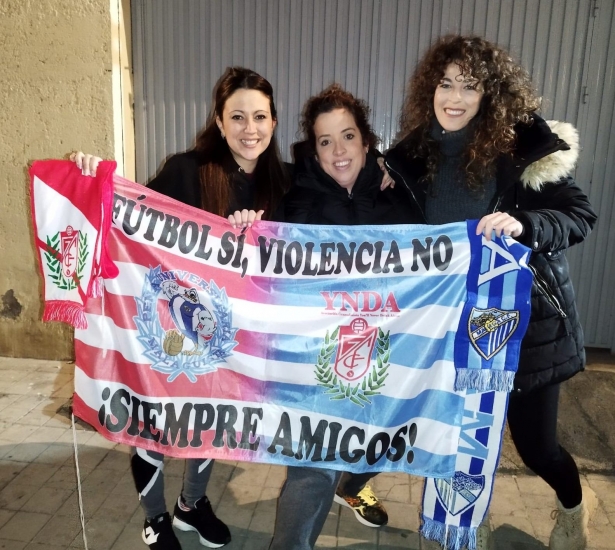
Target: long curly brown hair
point(509, 98)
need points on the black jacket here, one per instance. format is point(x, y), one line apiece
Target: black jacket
point(180, 180)
point(533, 186)
point(316, 198)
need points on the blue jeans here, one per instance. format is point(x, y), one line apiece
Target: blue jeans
point(305, 501)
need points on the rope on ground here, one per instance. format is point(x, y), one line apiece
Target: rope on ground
point(81, 513)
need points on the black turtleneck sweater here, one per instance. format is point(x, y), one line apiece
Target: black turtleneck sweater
point(449, 199)
point(316, 198)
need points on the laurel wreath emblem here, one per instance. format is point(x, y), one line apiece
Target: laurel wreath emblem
point(52, 258)
point(151, 333)
point(357, 394)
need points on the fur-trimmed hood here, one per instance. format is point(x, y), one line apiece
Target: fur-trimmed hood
point(556, 165)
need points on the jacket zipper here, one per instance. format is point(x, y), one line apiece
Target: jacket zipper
point(546, 290)
point(407, 187)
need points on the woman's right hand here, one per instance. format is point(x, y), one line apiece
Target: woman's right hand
point(244, 218)
point(86, 163)
point(387, 180)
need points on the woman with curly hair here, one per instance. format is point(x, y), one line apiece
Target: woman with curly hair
point(472, 147)
point(337, 181)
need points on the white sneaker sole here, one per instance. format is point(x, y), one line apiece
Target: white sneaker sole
point(143, 538)
point(183, 526)
point(359, 517)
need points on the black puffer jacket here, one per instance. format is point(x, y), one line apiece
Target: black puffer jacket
point(533, 186)
point(316, 198)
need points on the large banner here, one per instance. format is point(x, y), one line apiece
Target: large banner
point(365, 348)
point(290, 344)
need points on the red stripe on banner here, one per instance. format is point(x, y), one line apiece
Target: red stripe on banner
point(205, 450)
point(121, 310)
point(148, 256)
point(112, 366)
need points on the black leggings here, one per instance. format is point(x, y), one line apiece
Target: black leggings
point(532, 419)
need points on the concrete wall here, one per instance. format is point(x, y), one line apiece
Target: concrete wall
point(55, 97)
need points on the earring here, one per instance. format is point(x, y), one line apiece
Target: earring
point(222, 134)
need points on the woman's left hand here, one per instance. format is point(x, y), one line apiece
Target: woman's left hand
point(387, 181)
point(500, 222)
point(245, 218)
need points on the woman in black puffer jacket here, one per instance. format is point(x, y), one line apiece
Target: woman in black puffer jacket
point(473, 147)
point(336, 182)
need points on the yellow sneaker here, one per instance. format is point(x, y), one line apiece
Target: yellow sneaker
point(366, 506)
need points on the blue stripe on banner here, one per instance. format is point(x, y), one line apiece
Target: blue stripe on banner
point(487, 400)
point(442, 406)
point(407, 350)
point(404, 234)
point(482, 436)
point(476, 466)
point(439, 512)
point(465, 355)
point(466, 517)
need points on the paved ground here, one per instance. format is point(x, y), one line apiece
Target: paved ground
point(38, 497)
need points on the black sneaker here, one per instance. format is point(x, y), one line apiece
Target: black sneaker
point(212, 532)
point(366, 506)
point(158, 533)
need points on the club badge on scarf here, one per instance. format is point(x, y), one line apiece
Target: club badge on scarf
point(454, 507)
point(70, 225)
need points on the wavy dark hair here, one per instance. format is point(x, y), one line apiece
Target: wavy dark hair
point(509, 98)
point(335, 97)
point(271, 178)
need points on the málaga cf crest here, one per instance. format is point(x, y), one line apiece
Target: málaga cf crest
point(459, 493)
point(354, 375)
point(490, 329)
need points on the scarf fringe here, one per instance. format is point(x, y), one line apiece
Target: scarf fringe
point(98, 286)
point(66, 312)
point(484, 380)
point(457, 538)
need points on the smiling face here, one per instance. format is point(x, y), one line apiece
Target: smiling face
point(457, 99)
point(247, 126)
point(339, 147)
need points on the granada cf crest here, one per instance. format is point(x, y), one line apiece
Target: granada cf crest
point(354, 350)
point(490, 329)
point(459, 493)
point(360, 355)
point(70, 251)
point(185, 329)
point(65, 255)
